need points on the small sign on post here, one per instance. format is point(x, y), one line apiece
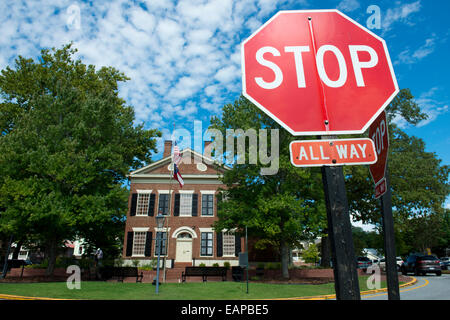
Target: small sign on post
point(378, 132)
point(316, 153)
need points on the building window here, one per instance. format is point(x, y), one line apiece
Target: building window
point(80, 250)
point(163, 237)
point(228, 243)
point(206, 245)
point(207, 204)
point(139, 243)
point(185, 204)
point(142, 204)
point(163, 206)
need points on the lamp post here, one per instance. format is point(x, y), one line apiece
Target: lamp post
point(160, 224)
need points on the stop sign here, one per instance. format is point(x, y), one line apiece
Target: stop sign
point(378, 132)
point(318, 72)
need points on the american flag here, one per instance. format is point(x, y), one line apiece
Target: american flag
point(177, 175)
point(176, 157)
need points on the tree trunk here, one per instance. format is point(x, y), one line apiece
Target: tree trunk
point(17, 250)
point(51, 256)
point(325, 252)
point(284, 260)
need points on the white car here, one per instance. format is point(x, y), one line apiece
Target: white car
point(382, 263)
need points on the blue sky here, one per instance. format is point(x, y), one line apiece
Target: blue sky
point(183, 57)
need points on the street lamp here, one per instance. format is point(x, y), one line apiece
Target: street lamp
point(160, 224)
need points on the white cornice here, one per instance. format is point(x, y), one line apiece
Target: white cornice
point(206, 160)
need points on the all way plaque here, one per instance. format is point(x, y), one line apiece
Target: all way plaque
point(316, 153)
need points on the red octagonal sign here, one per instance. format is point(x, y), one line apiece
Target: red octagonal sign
point(318, 72)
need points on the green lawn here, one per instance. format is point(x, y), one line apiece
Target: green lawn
point(170, 291)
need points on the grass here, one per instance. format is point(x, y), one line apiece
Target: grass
point(171, 291)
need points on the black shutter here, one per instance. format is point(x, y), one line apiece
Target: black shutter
point(218, 202)
point(176, 209)
point(151, 205)
point(129, 251)
point(219, 244)
point(134, 197)
point(148, 244)
point(194, 204)
point(237, 244)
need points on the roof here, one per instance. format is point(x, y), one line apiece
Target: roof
point(188, 152)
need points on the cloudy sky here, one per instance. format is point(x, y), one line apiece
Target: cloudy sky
point(183, 57)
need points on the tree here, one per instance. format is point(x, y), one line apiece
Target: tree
point(280, 209)
point(412, 193)
point(311, 254)
point(67, 142)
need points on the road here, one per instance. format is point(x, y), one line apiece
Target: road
point(429, 287)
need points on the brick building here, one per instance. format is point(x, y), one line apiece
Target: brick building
point(188, 236)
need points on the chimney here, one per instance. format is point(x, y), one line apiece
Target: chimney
point(167, 148)
point(207, 149)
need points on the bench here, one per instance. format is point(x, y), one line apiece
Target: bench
point(121, 273)
point(204, 272)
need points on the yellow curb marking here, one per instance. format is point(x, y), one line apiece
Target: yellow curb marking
point(409, 289)
point(333, 296)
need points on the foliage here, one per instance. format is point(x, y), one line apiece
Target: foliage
point(413, 194)
point(311, 254)
point(285, 207)
point(67, 142)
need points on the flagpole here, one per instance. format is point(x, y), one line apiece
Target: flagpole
point(169, 213)
point(167, 221)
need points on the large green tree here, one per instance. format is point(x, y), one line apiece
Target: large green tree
point(279, 209)
point(67, 142)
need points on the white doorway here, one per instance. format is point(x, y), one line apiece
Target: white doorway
point(184, 248)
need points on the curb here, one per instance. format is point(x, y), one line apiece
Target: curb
point(333, 296)
point(14, 297)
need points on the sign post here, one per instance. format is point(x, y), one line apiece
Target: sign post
point(378, 132)
point(320, 73)
point(340, 233)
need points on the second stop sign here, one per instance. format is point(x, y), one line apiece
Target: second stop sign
point(318, 72)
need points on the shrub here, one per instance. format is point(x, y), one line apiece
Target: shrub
point(215, 264)
point(260, 265)
point(202, 265)
point(135, 263)
point(227, 265)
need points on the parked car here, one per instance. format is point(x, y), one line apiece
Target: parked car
point(445, 263)
point(363, 263)
point(398, 260)
point(421, 265)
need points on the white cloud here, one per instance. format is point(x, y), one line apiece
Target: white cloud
point(348, 5)
point(432, 107)
point(399, 13)
point(409, 57)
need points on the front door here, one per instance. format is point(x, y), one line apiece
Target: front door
point(184, 250)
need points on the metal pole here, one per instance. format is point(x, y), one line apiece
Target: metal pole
point(340, 234)
point(389, 242)
point(167, 219)
point(246, 251)
point(158, 239)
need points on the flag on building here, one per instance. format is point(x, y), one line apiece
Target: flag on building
point(176, 156)
point(177, 175)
